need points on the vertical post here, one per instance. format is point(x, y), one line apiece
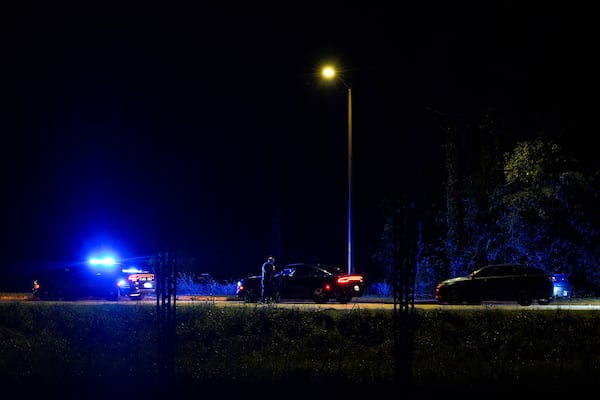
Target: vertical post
point(329, 72)
point(350, 242)
point(406, 233)
point(166, 273)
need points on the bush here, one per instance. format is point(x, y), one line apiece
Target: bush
point(203, 285)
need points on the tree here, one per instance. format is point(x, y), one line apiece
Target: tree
point(547, 218)
point(534, 204)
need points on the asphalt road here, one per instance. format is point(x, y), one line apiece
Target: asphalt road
point(360, 303)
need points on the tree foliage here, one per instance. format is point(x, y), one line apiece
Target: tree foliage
point(547, 217)
point(532, 203)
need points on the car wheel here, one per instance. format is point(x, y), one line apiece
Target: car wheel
point(454, 296)
point(320, 295)
point(343, 299)
point(524, 298)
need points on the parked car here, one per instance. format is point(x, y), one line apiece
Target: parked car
point(501, 282)
point(302, 281)
point(249, 288)
point(138, 284)
point(81, 281)
point(562, 286)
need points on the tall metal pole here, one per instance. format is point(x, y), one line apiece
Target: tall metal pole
point(329, 73)
point(350, 242)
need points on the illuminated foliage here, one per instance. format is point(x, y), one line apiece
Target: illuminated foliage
point(530, 203)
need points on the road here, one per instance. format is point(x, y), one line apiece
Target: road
point(366, 303)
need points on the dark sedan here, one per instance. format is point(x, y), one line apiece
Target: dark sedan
point(502, 282)
point(316, 282)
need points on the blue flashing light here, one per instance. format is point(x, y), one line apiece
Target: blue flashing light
point(106, 261)
point(132, 270)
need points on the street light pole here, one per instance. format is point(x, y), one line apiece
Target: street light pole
point(329, 73)
point(350, 241)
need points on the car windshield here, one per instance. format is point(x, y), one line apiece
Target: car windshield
point(286, 272)
point(308, 270)
point(485, 271)
point(332, 270)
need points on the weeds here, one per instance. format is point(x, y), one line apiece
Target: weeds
point(246, 345)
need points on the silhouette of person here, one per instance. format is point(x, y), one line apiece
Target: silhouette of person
point(267, 274)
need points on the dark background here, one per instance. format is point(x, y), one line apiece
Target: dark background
point(138, 126)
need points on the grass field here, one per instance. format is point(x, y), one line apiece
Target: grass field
point(204, 347)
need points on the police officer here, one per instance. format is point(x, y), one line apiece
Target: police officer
point(268, 271)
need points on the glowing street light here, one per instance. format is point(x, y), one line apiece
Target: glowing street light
point(329, 72)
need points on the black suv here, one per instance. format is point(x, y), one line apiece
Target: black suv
point(80, 282)
point(500, 282)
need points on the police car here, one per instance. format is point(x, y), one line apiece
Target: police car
point(98, 278)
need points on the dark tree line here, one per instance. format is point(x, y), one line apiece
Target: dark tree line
point(507, 199)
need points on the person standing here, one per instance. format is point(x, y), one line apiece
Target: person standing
point(267, 274)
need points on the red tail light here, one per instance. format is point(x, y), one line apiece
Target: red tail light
point(350, 279)
point(141, 277)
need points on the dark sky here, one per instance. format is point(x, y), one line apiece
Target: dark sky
point(209, 127)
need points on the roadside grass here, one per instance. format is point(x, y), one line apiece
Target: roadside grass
point(249, 346)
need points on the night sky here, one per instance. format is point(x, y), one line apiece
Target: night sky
point(209, 128)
